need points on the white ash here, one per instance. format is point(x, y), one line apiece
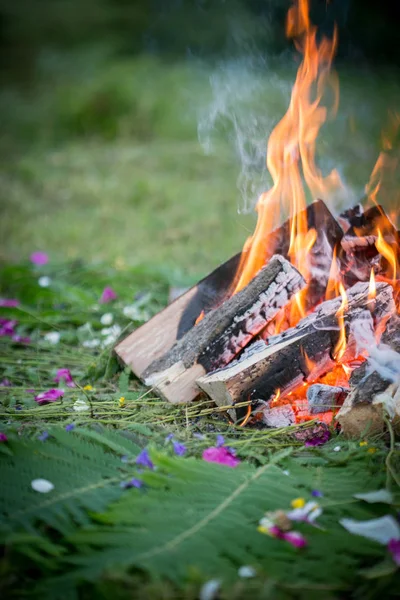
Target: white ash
point(323, 398)
point(278, 416)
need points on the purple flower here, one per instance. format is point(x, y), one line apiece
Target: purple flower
point(70, 427)
point(108, 295)
point(39, 258)
point(221, 456)
point(136, 483)
point(179, 449)
point(394, 549)
point(316, 494)
point(7, 327)
point(43, 436)
point(5, 383)
point(143, 459)
point(9, 302)
point(169, 437)
point(3, 437)
point(220, 441)
point(318, 439)
point(64, 375)
point(49, 396)
point(21, 339)
point(295, 538)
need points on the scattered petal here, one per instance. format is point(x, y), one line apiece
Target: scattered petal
point(49, 396)
point(394, 549)
point(70, 427)
point(221, 456)
point(5, 383)
point(246, 572)
point(308, 513)
point(295, 538)
point(43, 436)
point(108, 295)
point(80, 405)
point(381, 530)
point(298, 503)
point(379, 496)
point(64, 375)
point(179, 449)
point(209, 590)
point(318, 439)
point(317, 494)
point(53, 337)
point(42, 485)
point(88, 388)
point(169, 437)
point(144, 460)
point(286, 472)
point(3, 437)
point(107, 319)
point(337, 449)
point(44, 281)
point(9, 302)
point(220, 441)
point(39, 258)
point(21, 339)
point(7, 327)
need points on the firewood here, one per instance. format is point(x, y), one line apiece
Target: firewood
point(223, 332)
point(322, 398)
point(351, 217)
point(156, 337)
point(284, 363)
point(363, 410)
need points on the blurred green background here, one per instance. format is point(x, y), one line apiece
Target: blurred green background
point(134, 132)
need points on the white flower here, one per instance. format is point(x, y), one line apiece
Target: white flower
point(42, 485)
point(209, 590)
point(53, 337)
point(380, 530)
point(337, 449)
point(44, 281)
point(91, 343)
point(309, 512)
point(112, 334)
point(246, 572)
point(80, 405)
point(107, 319)
point(286, 472)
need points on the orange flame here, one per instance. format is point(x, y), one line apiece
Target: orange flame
point(340, 347)
point(372, 289)
point(386, 250)
point(276, 397)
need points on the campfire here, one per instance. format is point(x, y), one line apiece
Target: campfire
point(302, 324)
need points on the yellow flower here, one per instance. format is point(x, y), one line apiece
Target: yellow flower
point(263, 530)
point(298, 503)
point(88, 388)
point(371, 450)
point(363, 444)
point(121, 401)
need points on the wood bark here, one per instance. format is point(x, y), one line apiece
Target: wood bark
point(363, 410)
point(297, 355)
point(223, 332)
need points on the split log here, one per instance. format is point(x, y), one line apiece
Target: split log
point(156, 337)
point(322, 398)
point(284, 363)
point(224, 332)
point(371, 386)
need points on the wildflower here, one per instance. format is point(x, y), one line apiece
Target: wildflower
point(112, 334)
point(5, 383)
point(169, 437)
point(363, 444)
point(21, 339)
point(43, 436)
point(49, 396)
point(70, 427)
point(221, 456)
point(7, 327)
point(121, 402)
point(136, 483)
point(44, 281)
point(308, 513)
point(107, 319)
point(220, 441)
point(318, 439)
point(337, 449)
point(316, 494)
point(179, 449)
point(209, 590)
point(88, 388)
point(108, 295)
point(42, 485)
point(64, 374)
point(53, 337)
point(246, 572)
point(9, 302)
point(39, 258)
point(91, 343)
point(3, 437)
point(394, 549)
point(295, 538)
point(298, 503)
point(371, 450)
point(80, 405)
point(144, 460)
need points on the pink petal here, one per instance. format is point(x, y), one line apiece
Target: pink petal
point(108, 295)
point(64, 375)
point(39, 258)
point(49, 396)
point(3, 437)
point(221, 456)
point(295, 538)
point(394, 549)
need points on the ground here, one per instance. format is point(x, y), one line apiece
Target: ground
point(107, 176)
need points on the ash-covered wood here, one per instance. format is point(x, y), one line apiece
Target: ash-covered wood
point(362, 410)
point(278, 416)
point(351, 217)
point(288, 359)
point(322, 398)
point(224, 332)
point(353, 243)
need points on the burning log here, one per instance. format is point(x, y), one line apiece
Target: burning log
point(156, 337)
point(223, 332)
point(373, 385)
point(322, 398)
point(289, 358)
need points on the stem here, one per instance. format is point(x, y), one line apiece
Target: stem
point(390, 469)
